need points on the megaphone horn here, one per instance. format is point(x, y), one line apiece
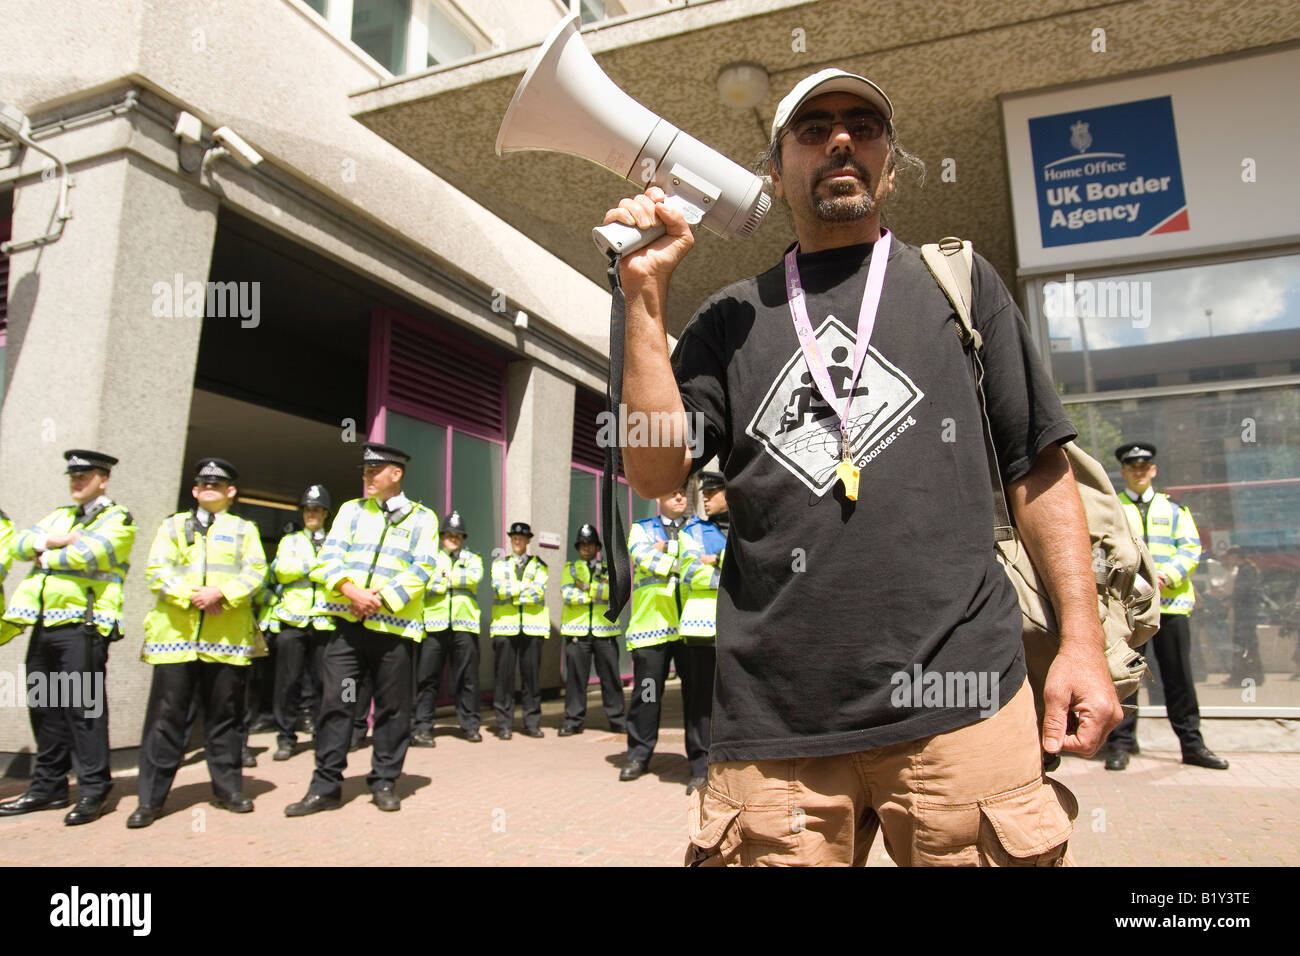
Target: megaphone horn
point(565, 103)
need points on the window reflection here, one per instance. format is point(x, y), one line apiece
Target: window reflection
point(1204, 323)
point(1233, 459)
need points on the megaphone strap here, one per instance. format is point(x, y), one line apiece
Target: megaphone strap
point(611, 519)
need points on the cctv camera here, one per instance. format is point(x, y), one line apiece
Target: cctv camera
point(236, 146)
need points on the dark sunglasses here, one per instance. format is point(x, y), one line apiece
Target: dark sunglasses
point(816, 130)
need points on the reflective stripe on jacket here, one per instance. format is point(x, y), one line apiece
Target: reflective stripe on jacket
point(584, 610)
point(295, 557)
point(1171, 537)
point(364, 547)
point(96, 563)
point(520, 604)
point(227, 555)
point(451, 601)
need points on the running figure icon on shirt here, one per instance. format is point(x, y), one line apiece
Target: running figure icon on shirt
point(808, 401)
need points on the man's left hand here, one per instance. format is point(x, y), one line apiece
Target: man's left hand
point(1079, 682)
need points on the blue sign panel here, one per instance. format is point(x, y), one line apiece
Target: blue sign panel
point(1108, 173)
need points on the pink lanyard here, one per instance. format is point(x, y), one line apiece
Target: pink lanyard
point(866, 324)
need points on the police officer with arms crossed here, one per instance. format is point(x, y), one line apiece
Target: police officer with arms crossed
point(519, 625)
point(663, 555)
point(1171, 537)
point(699, 620)
point(72, 600)
point(588, 634)
point(451, 621)
point(205, 566)
point(377, 560)
point(302, 633)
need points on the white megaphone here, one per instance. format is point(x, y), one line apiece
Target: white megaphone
point(567, 104)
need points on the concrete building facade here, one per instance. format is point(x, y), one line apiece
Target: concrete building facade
point(381, 273)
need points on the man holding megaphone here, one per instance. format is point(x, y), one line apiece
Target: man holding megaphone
point(870, 672)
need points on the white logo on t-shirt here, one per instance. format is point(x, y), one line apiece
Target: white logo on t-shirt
point(798, 428)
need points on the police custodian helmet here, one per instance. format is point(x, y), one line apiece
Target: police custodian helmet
point(455, 524)
point(315, 497)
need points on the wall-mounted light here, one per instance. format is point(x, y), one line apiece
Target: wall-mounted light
point(742, 86)
point(15, 125)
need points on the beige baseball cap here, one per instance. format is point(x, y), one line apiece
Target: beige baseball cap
point(830, 81)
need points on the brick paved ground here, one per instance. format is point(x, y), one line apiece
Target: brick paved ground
point(554, 801)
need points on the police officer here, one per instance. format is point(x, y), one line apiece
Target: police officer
point(519, 625)
point(206, 566)
point(260, 686)
point(6, 552)
point(375, 564)
point(72, 600)
point(451, 622)
point(699, 624)
point(662, 554)
point(301, 633)
point(587, 634)
point(1170, 535)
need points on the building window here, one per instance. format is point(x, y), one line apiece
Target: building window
point(320, 6)
point(380, 27)
point(447, 42)
point(1180, 326)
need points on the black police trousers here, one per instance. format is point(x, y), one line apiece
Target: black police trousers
point(350, 652)
point(578, 655)
point(527, 653)
point(68, 708)
point(297, 679)
point(220, 689)
point(649, 674)
point(1171, 647)
point(461, 649)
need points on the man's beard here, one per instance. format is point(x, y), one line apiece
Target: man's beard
point(843, 204)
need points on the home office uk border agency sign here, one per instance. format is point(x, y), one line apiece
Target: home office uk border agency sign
point(1108, 173)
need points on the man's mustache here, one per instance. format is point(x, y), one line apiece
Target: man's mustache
point(840, 164)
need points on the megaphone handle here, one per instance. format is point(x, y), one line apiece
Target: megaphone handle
point(617, 239)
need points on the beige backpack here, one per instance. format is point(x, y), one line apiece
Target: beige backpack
point(1127, 602)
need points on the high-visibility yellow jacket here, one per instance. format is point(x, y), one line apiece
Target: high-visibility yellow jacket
point(1171, 537)
point(265, 600)
point(656, 581)
point(584, 610)
point(226, 555)
point(520, 605)
point(295, 557)
point(81, 582)
point(700, 587)
point(6, 553)
point(451, 600)
point(371, 551)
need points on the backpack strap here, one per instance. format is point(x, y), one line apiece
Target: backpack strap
point(952, 262)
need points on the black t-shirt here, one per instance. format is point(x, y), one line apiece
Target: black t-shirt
point(825, 602)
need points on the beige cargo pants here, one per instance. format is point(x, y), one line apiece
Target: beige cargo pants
point(975, 796)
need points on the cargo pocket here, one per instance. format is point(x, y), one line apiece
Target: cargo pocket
point(1028, 826)
point(713, 829)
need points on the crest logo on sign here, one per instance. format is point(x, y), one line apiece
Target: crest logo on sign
point(1080, 138)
